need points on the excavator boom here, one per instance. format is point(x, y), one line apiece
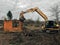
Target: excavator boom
point(36, 9)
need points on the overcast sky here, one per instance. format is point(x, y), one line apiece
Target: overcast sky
point(16, 6)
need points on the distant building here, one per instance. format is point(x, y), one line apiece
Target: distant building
point(11, 25)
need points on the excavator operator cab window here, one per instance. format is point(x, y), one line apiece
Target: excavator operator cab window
point(15, 23)
point(50, 24)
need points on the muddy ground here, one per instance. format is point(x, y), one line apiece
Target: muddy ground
point(29, 38)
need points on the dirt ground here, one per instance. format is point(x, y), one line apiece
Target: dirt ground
point(29, 38)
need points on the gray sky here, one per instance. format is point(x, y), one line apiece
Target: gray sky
point(16, 6)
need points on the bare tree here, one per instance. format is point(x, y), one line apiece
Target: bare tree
point(55, 10)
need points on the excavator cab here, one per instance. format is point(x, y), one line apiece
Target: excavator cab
point(51, 26)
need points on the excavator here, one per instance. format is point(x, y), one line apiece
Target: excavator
point(48, 26)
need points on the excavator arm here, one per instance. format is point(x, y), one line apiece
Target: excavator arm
point(36, 9)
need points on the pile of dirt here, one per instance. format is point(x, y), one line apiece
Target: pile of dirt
point(35, 38)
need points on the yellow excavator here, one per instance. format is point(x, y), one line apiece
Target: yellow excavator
point(48, 26)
